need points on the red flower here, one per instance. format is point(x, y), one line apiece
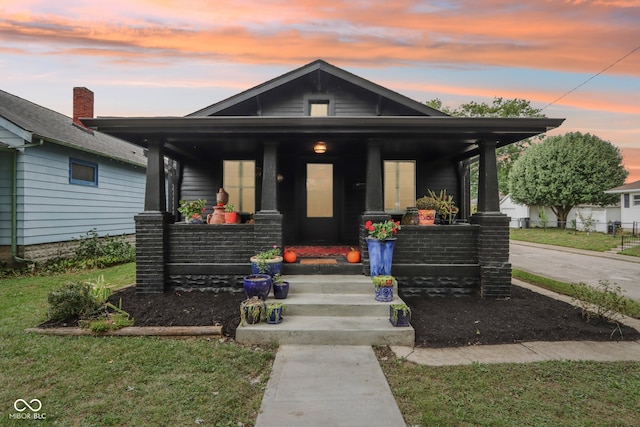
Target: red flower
point(368, 225)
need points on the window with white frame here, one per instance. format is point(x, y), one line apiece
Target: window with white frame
point(239, 180)
point(636, 200)
point(83, 173)
point(399, 185)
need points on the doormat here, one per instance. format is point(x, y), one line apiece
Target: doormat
point(325, 261)
point(319, 251)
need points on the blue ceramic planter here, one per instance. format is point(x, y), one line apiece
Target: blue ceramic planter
point(272, 266)
point(380, 256)
point(257, 285)
point(281, 290)
point(384, 293)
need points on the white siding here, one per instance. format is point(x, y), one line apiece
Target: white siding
point(50, 209)
point(632, 213)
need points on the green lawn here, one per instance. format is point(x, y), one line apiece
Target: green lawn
point(568, 238)
point(102, 381)
point(559, 393)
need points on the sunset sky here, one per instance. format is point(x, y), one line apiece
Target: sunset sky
point(169, 57)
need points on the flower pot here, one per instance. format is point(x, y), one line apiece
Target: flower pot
point(230, 217)
point(274, 313)
point(380, 256)
point(257, 285)
point(384, 293)
point(426, 216)
point(272, 266)
point(222, 197)
point(383, 286)
point(251, 312)
point(399, 315)
point(281, 290)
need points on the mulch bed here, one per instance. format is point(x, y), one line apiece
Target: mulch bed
point(438, 322)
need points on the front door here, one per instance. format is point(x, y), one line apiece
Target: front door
point(319, 204)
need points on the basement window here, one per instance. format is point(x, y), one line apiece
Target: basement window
point(83, 173)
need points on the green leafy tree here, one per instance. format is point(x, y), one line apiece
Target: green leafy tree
point(499, 107)
point(567, 170)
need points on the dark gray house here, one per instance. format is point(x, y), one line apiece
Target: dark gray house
point(314, 154)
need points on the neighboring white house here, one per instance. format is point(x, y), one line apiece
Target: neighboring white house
point(630, 204)
point(59, 180)
point(523, 216)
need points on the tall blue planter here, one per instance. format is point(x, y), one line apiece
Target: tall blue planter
point(380, 256)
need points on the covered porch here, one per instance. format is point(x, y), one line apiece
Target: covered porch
point(439, 260)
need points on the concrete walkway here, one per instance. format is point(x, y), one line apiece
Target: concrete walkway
point(321, 385)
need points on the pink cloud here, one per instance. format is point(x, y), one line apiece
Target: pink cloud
point(492, 33)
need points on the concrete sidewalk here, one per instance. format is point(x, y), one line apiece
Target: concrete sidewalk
point(322, 385)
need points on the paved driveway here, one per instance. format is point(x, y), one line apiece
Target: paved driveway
point(574, 266)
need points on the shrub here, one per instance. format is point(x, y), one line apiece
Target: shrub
point(604, 302)
point(73, 299)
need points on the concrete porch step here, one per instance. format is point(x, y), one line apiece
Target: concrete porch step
point(330, 310)
point(328, 330)
point(329, 284)
point(306, 304)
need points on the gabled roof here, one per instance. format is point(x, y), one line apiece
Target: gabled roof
point(321, 67)
point(626, 188)
point(33, 122)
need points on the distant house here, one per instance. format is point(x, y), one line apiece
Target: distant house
point(523, 216)
point(629, 203)
point(314, 154)
point(59, 180)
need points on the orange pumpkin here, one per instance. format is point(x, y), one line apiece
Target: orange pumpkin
point(290, 256)
point(353, 256)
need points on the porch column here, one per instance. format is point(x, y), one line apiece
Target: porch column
point(155, 196)
point(151, 226)
point(493, 236)
point(374, 197)
point(488, 199)
point(269, 197)
point(268, 220)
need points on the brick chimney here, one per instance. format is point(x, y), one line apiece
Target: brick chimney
point(82, 104)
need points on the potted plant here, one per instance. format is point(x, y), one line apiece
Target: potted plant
point(267, 262)
point(230, 215)
point(280, 287)
point(399, 314)
point(252, 310)
point(384, 287)
point(427, 206)
point(274, 312)
point(193, 210)
point(380, 243)
point(257, 285)
point(447, 209)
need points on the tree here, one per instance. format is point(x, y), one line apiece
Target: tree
point(500, 107)
point(567, 170)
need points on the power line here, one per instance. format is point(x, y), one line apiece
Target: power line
point(591, 78)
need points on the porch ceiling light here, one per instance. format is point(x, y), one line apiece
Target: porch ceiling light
point(320, 147)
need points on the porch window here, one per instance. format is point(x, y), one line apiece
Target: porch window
point(239, 181)
point(636, 200)
point(399, 185)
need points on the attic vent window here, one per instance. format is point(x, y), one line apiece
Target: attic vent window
point(319, 108)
